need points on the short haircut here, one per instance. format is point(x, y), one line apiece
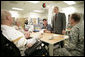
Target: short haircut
point(17, 22)
point(56, 7)
point(44, 19)
point(4, 14)
point(76, 17)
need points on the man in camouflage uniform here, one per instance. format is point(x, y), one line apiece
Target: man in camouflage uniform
point(75, 45)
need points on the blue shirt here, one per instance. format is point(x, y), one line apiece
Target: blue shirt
point(48, 27)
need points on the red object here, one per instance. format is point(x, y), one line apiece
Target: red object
point(44, 5)
point(26, 29)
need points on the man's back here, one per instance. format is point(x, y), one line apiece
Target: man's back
point(76, 41)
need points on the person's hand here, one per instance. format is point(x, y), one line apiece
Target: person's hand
point(29, 45)
point(63, 31)
point(27, 34)
point(46, 31)
point(68, 28)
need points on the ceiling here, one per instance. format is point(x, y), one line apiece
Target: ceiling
point(29, 7)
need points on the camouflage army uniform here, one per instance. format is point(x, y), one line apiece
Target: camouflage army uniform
point(75, 45)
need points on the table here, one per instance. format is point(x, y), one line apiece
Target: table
point(45, 37)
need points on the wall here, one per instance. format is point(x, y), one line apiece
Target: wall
point(67, 11)
point(78, 9)
point(34, 15)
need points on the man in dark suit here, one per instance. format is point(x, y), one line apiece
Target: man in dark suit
point(58, 22)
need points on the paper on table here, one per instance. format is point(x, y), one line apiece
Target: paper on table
point(42, 31)
point(66, 36)
point(55, 35)
point(51, 38)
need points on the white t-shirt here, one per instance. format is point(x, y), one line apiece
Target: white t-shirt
point(19, 28)
point(12, 34)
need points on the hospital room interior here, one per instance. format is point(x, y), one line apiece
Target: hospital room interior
point(42, 28)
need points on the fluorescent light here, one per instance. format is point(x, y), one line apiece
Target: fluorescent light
point(69, 10)
point(33, 1)
point(70, 2)
point(34, 15)
point(14, 14)
point(17, 8)
point(38, 11)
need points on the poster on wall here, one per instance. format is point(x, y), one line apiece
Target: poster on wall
point(35, 21)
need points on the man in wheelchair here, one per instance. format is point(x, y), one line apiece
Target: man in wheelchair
point(15, 36)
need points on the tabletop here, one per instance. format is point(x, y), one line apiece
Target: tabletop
point(50, 37)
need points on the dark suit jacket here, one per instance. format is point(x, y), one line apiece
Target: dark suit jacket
point(8, 48)
point(59, 24)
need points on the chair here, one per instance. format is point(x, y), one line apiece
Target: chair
point(8, 48)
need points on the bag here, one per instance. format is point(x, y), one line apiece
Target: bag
point(36, 51)
point(40, 52)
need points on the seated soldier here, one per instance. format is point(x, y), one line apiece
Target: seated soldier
point(75, 45)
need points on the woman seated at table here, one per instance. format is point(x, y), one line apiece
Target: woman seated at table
point(17, 26)
point(75, 45)
point(46, 26)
